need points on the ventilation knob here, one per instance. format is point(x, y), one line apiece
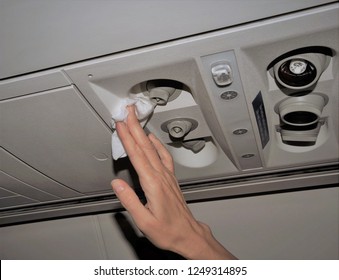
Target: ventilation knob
point(160, 95)
point(179, 128)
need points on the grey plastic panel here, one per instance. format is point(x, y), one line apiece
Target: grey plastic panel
point(230, 105)
point(297, 226)
point(102, 27)
point(202, 192)
point(61, 239)
point(20, 188)
point(5, 193)
point(15, 201)
point(19, 170)
point(57, 133)
point(32, 83)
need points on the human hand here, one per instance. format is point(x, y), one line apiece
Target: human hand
point(165, 219)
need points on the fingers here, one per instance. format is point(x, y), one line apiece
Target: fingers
point(133, 150)
point(139, 148)
point(147, 154)
point(164, 155)
point(135, 128)
point(130, 200)
point(141, 138)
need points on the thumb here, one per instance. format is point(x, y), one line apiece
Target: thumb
point(129, 200)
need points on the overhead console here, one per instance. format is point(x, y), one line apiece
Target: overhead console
point(238, 108)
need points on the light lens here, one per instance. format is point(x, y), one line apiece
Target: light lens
point(298, 66)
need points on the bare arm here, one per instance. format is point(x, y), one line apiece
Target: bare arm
point(165, 219)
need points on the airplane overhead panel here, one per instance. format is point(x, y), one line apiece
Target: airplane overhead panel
point(244, 105)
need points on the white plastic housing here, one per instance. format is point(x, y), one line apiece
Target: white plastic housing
point(309, 104)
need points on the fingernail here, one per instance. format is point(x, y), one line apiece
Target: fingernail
point(131, 108)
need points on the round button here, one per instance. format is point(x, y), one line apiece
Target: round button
point(229, 95)
point(240, 131)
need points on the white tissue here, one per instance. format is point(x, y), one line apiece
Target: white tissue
point(143, 108)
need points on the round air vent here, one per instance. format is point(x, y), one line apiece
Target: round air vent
point(300, 71)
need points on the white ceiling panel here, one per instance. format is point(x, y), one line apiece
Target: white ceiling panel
point(57, 133)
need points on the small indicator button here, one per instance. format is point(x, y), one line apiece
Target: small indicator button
point(240, 131)
point(247, 156)
point(229, 95)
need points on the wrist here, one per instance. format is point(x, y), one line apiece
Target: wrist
point(203, 245)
